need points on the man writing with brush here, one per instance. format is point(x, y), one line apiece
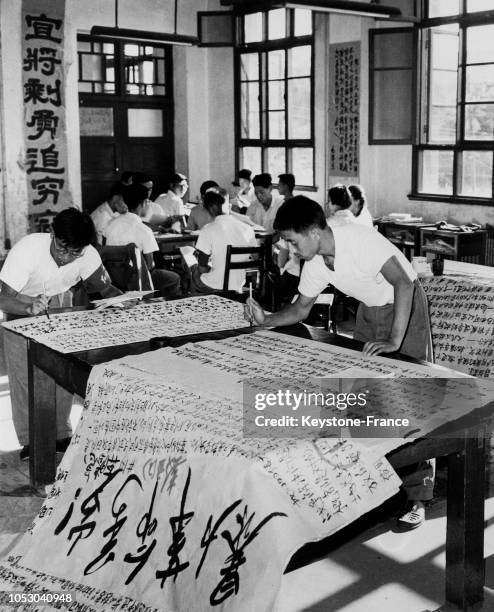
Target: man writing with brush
point(40, 270)
point(392, 314)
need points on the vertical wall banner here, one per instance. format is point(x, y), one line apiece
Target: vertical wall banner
point(43, 85)
point(344, 108)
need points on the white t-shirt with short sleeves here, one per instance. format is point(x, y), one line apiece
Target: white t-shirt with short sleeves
point(30, 269)
point(360, 253)
point(171, 204)
point(213, 240)
point(129, 228)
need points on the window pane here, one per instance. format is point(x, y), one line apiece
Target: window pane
point(445, 48)
point(392, 94)
point(299, 61)
point(249, 102)
point(91, 68)
point(253, 28)
point(476, 174)
point(145, 122)
point(276, 162)
point(479, 122)
point(85, 86)
point(277, 24)
point(276, 65)
point(109, 48)
point(479, 44)
point(276, 92)
point(95, 121)
point(436, 172)
point(276, 123)
point(299, 108)
point(83, 46)
point(480, 83)
point(442, 125)
point(250, 158)
point(249, 66)
point(474, 6)
point(303, 22)
point(303, 165)
point(442, 8)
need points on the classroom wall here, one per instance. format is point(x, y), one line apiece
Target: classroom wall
point(386, 170)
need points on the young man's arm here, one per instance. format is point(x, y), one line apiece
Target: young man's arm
point(14, 302)
point(291, 314)
point(100, 282)
point(403, 288)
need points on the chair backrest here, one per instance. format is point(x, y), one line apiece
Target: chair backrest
point(126, 267)
point(255, 261)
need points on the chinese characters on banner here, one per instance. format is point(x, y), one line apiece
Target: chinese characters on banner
point(344, 102)
point(44, 105)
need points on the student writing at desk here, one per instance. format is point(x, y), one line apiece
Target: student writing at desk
point(171, 202)
point(392, 315)
point(38, 273)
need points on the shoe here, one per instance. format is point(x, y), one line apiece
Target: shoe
point(413, 518)
point(63, 444)
point(24, 454)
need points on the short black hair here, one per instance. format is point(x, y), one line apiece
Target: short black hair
point(245, 174)
point(299, 214)
point(141, 177)
point(207, 185)
point(177, 178)
point(213, 197)
point(340, 196)
point(133, 195)
point(358, 193)
point(126, 176)
point(74, 228)
point(117, 189)
point(262, 180)
point(288, 179)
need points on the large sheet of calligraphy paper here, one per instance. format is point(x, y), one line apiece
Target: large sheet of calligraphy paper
point(161, 503)
point(90, 329)
point(462, 322)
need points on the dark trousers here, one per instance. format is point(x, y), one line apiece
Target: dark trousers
point(166, 282)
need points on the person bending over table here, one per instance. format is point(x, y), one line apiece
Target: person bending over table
point(208, 274)
point(38, 274)
point(392, 315)
point(129, 228)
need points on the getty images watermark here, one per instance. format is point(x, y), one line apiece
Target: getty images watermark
point(364, 407)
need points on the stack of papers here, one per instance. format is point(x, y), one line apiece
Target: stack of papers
point(119, 300)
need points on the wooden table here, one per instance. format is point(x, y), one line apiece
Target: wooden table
point(406, 236)
point(466, 453)
point(462, 246)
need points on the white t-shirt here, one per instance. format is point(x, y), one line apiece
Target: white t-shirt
point(259, 215)
point(153, 211)
point(365, 218)
point(171, 205)
point(341, 217)
point(101, 216)
point(247, 198)
point(213, 239)
point(360, 253)
point(129, 228)
point(29, 265)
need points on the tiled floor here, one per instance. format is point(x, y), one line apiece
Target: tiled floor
point(378, 570)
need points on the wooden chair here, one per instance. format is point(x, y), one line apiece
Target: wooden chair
point(126, 267)
point(253, 261)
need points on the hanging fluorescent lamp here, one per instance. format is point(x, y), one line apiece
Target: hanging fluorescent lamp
point(145, 36)
point(349, 7)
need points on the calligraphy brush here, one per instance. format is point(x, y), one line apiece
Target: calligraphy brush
point(46, 307)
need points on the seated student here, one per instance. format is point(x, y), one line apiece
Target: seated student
point(212, 242)
point(359, 205)
point(392, 315)
point(288, 262)
point(153, 214)
point(245, 195)
point(171, 202)
point(199, 216)
point(286, 185)
point(107, 211)
point(263, 211)
point(129, 228)
point(38, 274)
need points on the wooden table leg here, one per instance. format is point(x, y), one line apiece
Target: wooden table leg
point(465, 567)
point(42, 425)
